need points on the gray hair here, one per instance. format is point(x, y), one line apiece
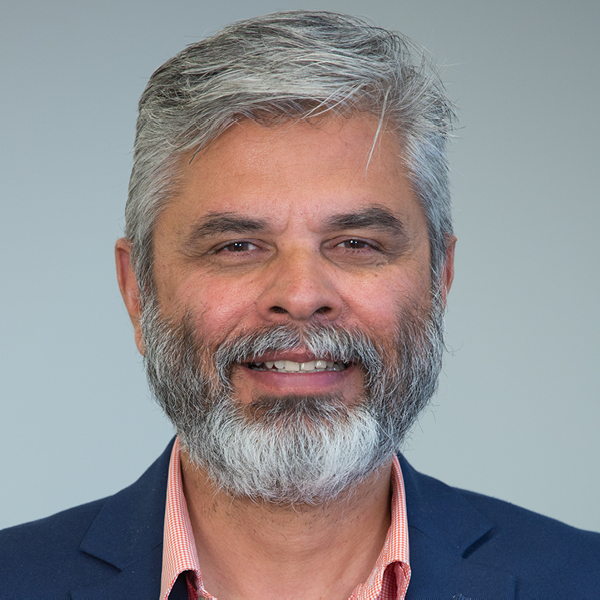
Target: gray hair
point(289, 65)
point(293, 449)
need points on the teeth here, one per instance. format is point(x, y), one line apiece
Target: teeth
point(290, 366)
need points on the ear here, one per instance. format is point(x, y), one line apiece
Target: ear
point(448, 270)
point(130, 290)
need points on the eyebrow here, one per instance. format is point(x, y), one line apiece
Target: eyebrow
point(374, 217)
point(225, 222)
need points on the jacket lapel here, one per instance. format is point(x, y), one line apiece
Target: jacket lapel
point(444, 528)
point(128, 534)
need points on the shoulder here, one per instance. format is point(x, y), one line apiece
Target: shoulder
point(544, 557)
point(534, 545)
point(517, 520)
point(44, 554)
point(120, 535)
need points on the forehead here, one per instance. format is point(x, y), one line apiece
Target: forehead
point(296, 168)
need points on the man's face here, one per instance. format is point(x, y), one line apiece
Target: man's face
point(292, 336)
point(287, 225)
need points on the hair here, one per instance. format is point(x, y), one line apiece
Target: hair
point(286, 66)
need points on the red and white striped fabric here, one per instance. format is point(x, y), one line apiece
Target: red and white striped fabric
point(179, 547)
point(388, 580)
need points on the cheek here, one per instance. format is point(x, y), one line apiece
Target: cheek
point(217, 307)
point(376, 314)
point(377, 305)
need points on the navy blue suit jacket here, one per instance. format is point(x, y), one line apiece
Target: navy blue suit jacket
point(462, 545)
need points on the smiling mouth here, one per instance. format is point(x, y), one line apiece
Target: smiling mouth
point(290, 366)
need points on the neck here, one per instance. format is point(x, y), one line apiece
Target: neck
point(254, 549)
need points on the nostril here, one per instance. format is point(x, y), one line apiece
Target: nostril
point(278, 310)
point(281, 311)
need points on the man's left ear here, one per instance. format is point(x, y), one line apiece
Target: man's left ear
point(448, 269)
point(130, 290)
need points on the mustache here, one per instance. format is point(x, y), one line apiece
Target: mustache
point(337, 343)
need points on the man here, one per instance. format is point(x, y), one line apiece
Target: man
point(286, 265)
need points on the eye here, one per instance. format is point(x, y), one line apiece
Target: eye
point(234, 247)
point(354, 244)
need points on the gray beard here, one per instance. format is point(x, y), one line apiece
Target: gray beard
point(292, 449)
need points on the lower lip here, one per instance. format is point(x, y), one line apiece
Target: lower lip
point(320, 381)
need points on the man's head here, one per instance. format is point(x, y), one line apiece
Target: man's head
point(291, 249)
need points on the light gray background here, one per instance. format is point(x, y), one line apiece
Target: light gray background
point(518, 409)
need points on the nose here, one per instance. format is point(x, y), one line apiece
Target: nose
point(300, 288)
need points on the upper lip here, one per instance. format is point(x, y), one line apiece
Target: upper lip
point(299, 356)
